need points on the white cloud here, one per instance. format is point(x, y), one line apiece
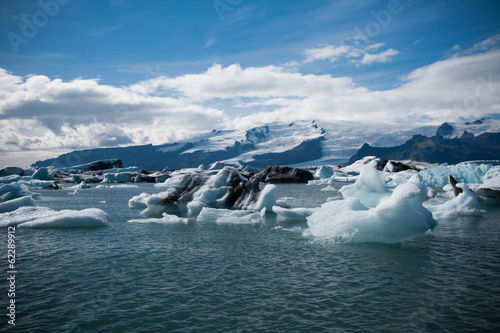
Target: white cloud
point(487, 44)
point(370, 58)
point(210, 42)
point(357, 55)
point(39, 113)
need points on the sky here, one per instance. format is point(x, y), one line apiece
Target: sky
point(80, 74)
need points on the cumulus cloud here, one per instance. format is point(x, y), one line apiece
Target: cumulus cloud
point(38, 113)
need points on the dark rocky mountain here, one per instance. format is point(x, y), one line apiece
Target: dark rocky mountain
point(438, 149)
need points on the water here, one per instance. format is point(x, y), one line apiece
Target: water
point(204, 277)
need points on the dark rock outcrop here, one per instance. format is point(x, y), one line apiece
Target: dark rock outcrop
point(437, 149)
point(280, 174)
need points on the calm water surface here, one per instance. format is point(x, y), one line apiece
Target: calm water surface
point(204, 277)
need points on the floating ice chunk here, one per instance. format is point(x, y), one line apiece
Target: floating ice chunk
point(81, 185)
point(16, 190)
point(267, 199)
point(10, 179)
point(324, 171)
point(120, 177)
point(465, 204)
point(42, 174)
point(329, 188)
point(370, 188)
point(43, 217)
point(11, 170)
point(11, 205)
point(228, 216)
point(165, 219)
point(396, 219)
point(154, 205)
point(293, 213)
point(492, 178)
point(116, 186)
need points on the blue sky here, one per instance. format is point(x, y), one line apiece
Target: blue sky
point(111, 68)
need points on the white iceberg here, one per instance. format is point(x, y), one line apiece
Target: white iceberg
point(293, 213)
point(370, 188)
point(165, 219)
point(43, 217)
point(466, 172)
point(188, 191)
point(228, 216)
point(400, 217)
point(324, 171)
point(464, 204)
point(11, 205)
point(492, 178)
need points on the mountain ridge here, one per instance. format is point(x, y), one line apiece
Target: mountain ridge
point(298, 143)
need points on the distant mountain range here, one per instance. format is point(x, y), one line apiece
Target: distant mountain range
point(307, 143)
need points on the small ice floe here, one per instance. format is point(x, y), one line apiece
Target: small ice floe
point(293, 213)
point(229, 216)
point(165, 219)
point(11, 205)
point(329, 188)
point(43, 217)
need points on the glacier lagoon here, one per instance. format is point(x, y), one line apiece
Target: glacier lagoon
point(205, 276)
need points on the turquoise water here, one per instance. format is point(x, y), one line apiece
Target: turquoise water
point(204, 277)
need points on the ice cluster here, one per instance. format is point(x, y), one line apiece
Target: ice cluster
point(466, 172)
point(189, 191)
point(18, 208)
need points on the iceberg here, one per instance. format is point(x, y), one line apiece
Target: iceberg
point(324, 171)
point(228, 216)
point(467, 172)
point(293, 213)
point(10, 179)
point(398, 218)
point(16, 190)
point(165, 219)
point(11, 205)
point(491, 179)
point(188, 191)
point(139, 201)
point(120, 177)
point(43, 217)
point(464, 204)
point(42, 174)
point(370, 188)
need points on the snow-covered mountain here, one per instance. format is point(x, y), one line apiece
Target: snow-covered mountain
point(299, 143)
